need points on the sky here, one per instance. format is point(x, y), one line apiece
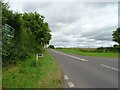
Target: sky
point(74, 23)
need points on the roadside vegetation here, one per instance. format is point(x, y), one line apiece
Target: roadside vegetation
point(23, 36)
point(89, 52)
point(27, 74)
point(51, 46)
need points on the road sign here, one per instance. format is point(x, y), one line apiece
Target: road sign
point(37, 56)
point(40, 55)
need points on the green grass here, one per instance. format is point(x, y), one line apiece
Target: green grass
point(27, 75)
point(88, 53)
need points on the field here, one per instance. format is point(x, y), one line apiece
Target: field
point(89, 52)
point(26, 74)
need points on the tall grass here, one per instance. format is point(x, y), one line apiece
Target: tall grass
point(27, 74)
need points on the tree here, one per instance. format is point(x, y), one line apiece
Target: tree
point(51, 46)
point(116, 36)
point(34, 22)
point(22, 34)
point(115, 45)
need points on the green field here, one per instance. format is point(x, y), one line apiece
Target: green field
point(89, 52)
point(26, 74)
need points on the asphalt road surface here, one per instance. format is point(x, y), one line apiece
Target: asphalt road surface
point(86, 71)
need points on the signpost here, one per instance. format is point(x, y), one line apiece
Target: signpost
point(37, 56)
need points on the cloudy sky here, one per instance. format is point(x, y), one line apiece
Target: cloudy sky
point(76, 24)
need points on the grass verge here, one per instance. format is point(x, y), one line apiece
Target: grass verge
point(26, 74)
point(88, 53)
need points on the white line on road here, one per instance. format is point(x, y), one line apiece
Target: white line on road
point(109, 67)
point(70, 84)
point(70, 56)
point(66, 77)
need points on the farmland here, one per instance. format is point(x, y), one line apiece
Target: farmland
point(88, 52)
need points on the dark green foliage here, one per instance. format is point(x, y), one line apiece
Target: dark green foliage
point(59, 48)
point(29, 34)
point(116, 36)
point(107, 49)
point(40, 29)
point(51, 46)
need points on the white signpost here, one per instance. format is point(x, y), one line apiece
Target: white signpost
point(37, 56)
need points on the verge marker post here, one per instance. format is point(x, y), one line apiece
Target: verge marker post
point(36, 59)
point(37, 56)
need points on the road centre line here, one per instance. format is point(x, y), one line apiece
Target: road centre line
point(109, 67)
point(70, 56)
point(70, 84)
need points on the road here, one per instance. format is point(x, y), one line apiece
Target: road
point(86, 71)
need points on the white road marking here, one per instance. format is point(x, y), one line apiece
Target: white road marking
point(70, 84)
point(66, 77)
point(109, 67)
point(70, 56)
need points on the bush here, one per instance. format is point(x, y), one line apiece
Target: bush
point(51, 46)
point(107, 49)
point(22, 34)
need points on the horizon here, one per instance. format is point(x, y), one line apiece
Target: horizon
point(82, 24)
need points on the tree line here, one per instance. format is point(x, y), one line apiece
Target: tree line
point(23, 34)
point(116, 47)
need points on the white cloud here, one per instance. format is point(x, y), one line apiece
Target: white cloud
point(63, 0)
point(76, 24)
